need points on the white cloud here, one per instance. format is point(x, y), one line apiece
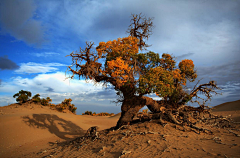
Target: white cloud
point(28, 68)
point(6, 100)
point(63, 88)
point(45, 54)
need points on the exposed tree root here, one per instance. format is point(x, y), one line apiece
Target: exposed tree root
point(191, 117)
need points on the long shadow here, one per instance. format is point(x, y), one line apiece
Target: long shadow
point(55, 125)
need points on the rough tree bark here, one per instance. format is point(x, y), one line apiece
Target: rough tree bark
point(129, 108)
point(132, 105)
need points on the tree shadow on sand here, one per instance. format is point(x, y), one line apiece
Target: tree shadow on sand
point(62, 128)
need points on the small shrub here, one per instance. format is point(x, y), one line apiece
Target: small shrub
point(88, 112)
point(52, 106)
point(36, 98)
point(48, 99)
point(73, 109)
point(66, 104)
point(145, 111)
point(44, 102)
point(104, 114)
point(22, 96)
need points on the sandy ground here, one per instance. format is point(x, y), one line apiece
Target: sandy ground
point(36, 131)
point(25, 129)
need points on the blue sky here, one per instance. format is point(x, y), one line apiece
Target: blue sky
point(36, 35)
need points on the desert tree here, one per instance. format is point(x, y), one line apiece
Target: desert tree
point(141, 28)
point(134, 75)
point(46, 102)
point(36, 98)
point(66, 104)
point(22, 96)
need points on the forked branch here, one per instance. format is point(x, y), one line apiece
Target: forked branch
point(141, 28)
point(207, 89)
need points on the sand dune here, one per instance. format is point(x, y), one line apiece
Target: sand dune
point(117, 116)
point(231, 109)
point(228, 106)
point(27, 130)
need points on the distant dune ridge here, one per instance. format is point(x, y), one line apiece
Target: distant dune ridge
point(115, 116)
point(38, 131)
point(228, 106)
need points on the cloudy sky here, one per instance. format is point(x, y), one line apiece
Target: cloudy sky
point(36, 35)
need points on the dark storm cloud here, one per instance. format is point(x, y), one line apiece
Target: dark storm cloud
point(16, 17)
point(223, 74)
point(111, 26)
point(203, 28)
point(49, 89)
point(200, 27)
point(104, 94)
point(184, 56)
point(227, 96)
point(7, 64)
point(233, 97)
point(227, 77)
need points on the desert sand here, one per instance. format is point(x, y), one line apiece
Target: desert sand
point(38, 131)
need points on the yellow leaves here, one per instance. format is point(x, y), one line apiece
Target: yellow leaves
point(167, 61)
point(187, 69)
point(176, 74)
point(167, 56)
point(186, 64)
point(120, 61)
point(118, 69)
point(121, 47)
point(101, 43)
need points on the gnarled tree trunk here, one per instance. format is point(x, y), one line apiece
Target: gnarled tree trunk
point(132, 105)
point(130, 108)
point(152, 105)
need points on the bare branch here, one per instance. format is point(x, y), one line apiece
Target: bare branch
point(207, 89)
point(141, 28)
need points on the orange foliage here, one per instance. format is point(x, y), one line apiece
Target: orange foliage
point(176, 74)
point(167, 61)
point(123, 62)
point(118, 57)
point(187, 69)
point(186, 65)
point(124, 47)
point(130, 72)
point(118, 69)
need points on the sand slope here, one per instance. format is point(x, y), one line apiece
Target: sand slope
point(231, 109)
point(228, 106)
point(31, 130)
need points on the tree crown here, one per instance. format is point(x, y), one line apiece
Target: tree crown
point(130, 72)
